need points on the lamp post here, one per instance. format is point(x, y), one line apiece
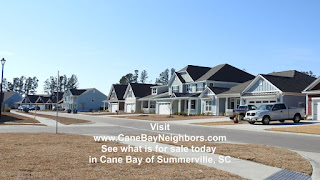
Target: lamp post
point(3, 61)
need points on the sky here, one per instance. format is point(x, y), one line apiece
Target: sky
point(101, 40)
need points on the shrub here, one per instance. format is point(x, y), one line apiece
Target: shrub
point(183, 114)
point(209, 113)
point(6, 108)
point(176, 113)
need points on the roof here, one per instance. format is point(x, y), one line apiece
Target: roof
point(141, 90)
point(7, 95)
point(187, 94)
point(289, 81)
point(78, 92)
point(120, 90)
point(218, 90)
point(180, 77)
point(227, 73)
point(33, 98)
point(166, 94)
point(238, 88)
point(195, 72)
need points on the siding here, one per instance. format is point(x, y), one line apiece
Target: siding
point(261, 86)
point(11, 100)
point(85, 102)
point(293, 101)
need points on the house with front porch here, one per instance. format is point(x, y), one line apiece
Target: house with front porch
point(312, 93)
point(186, 88)
point(115, 98)
point(133, 95)
point(277, 87)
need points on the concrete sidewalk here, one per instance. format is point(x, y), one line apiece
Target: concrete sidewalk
point(243, 168)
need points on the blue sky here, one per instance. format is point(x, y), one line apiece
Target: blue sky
point(100, 40)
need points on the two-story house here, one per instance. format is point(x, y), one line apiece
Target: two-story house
point(115, 98)
point(10, 99)
point(313, 99)
point(186, 86)
point(83, 99)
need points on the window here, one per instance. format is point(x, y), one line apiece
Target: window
point(251, 101)
point(152, 104)
point(208, 105)
point(211, 85)
point(175, 89)
point(154, 90)
point(92, 100)
point(265, 101)
point(258, 101)
point(189, 89)
point(200, 87)
point(113, 95)
point(193, 104)
point(273, 101)
point(130, 93)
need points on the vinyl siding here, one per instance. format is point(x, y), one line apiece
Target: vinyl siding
point(261, 86)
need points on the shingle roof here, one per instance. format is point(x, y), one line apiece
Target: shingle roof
point(226, 72)
point(195, 72)
point(141, 90)
point(33, 98)
point(238, 88)
point(180, 77)
point(289, 81)
point(218, 90)
point(77, 92)
point(187, 94)
point(120, 90)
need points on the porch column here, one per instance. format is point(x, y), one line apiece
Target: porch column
point(227, 104)
point(141, 105)
point(217, 106)
point(185, 106)
point(148, 106)
point(189, 106)
point(179, 106)
point(307, 105)
point(104, 105)
point(203, 104)
point(196, 105)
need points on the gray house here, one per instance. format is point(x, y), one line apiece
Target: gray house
point(282, 87)
point(83, 99)
point(10, 99)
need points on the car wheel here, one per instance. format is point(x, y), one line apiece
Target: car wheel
point(282, 121)
point(266, 120)
point(251, 122)
point(296, 118)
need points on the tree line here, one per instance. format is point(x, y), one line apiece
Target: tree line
point(28, 85)
point(163, 79)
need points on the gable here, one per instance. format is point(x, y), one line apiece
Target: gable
point(317, 87)
point(186, 77)
point(261, 85)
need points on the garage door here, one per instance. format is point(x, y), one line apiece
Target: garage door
point(164, 108)
point(316, 110)
point(114, 107)
point(129, 108)
point(258, 102)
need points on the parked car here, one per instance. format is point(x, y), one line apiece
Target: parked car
point(274, 112)
point(34, 108)
point(59, 108)
point(241, 111)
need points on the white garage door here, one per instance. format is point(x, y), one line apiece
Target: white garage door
point(114, 107)
point(129, 108)
point(316, 110)
point(164, 108)
point(258, 102)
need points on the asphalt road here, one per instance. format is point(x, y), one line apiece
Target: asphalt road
point(115, 126)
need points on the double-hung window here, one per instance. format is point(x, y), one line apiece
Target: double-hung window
point(175, 89)
point(209, 106)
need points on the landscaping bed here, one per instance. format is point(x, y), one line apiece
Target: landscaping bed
point(309, 129)
point(8, 118)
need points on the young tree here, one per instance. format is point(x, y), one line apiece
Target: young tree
point(72, 82)
point(143, 76)
point(50, 85)
point(172, 72)
point(30, 85)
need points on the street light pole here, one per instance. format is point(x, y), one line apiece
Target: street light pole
point(3, 61)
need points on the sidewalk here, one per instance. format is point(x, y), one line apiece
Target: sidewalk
point(243, 168)
point(46, 121)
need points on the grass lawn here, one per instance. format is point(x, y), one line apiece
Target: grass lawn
point(221, 123)
point(62, 120)
point(166, 117)
point(8, 118)
point(310, 129)
point(268, 155)
point(65, 156)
